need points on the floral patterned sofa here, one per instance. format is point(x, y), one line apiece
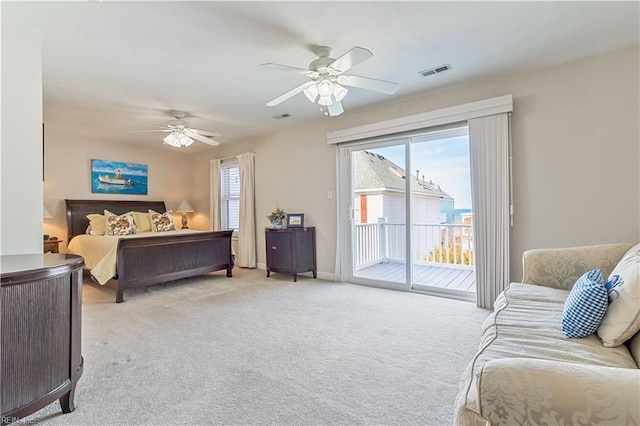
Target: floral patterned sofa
point(526, 372)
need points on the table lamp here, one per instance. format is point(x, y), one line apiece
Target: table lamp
point(184, 208)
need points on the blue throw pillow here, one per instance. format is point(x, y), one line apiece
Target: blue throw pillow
point(586, 305)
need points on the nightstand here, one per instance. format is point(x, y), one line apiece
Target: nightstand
point(51, 246)
point(291, 250)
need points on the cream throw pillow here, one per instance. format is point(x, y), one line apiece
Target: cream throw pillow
point(622, 319)
point(143, 222)
point(97, 223)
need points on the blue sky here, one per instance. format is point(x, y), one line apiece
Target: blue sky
point(444, 161)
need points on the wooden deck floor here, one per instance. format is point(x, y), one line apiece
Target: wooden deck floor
point(432, 276)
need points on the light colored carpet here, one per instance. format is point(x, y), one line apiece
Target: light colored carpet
point(257, 350)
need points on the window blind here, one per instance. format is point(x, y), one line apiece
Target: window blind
point(230, 195)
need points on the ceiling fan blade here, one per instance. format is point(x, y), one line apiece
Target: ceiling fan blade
point(335, 109)
point(198, 137)
point(290, 93)
point(369, 83)
point(146, 131)
point(287, 68)
point(350, 59)
point(207, 133)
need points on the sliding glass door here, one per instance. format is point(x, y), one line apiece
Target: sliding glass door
point(441, 229)
point(406, 213)
point(379, 214)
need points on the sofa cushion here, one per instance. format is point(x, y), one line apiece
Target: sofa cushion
point(526, 323)
point(622, 319)
point(540, 392)
point(585, 306)
point(634, 347)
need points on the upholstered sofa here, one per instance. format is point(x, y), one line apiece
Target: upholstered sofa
point(527, 372)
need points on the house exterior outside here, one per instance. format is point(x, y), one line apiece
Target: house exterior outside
point(380, 222)
point(379, 188)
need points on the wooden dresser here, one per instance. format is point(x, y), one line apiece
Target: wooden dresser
point(41, 360)
point(291, 251)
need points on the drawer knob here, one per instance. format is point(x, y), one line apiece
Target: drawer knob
point(273, 247)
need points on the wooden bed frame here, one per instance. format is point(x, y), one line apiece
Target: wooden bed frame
point(145, 261)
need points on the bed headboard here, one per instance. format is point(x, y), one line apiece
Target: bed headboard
point(77, 211)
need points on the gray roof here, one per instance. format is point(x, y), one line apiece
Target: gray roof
point(374, 171)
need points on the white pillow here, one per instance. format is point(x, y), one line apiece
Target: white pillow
point(622, 319)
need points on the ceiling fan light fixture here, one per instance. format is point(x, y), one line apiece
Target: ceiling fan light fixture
point(325, 100)
point(184, 140)
point(339, 92)
point(311, 92)
point(178, 139)
point(325, 87)
point(172, 140)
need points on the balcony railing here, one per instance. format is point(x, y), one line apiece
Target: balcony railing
point(441, 245)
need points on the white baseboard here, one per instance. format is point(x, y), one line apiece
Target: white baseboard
point(329, 276)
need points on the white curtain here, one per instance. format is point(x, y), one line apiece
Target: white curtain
point(247, 233)
point(216, 223)
point(489, 156)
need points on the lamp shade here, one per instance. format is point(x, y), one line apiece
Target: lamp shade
point(184, 207)
point(45, 213)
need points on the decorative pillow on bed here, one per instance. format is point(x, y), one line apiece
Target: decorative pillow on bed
point(120, 225)
point(97, 224)
point(142, 221)
point(161, 222)
point(622, 319)
point(585, 306)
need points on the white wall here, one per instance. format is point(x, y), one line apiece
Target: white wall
point(294, 170)
point(575, 145)
point(374, 207)
point(425, 209)
point(394, 208)
point(21, 148)
point(68, 174)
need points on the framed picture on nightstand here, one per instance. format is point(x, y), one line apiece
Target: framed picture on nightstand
point(295, 220)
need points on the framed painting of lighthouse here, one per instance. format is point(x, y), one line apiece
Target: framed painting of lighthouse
point(115, 177)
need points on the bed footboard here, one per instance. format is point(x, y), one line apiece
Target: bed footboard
point(151, 260)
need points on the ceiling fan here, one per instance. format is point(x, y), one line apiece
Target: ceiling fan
point(328, 79)
point(182, 134)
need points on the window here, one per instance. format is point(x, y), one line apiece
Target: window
point(230, 195)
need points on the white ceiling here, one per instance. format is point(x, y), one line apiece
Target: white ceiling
point(109, 67)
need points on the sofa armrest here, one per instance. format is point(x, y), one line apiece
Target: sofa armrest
point(531, 391)
point(561, 267)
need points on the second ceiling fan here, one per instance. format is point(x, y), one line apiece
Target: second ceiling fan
point(181, 134)
point(328, 79)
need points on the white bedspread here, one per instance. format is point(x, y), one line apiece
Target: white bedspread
point(100, 251)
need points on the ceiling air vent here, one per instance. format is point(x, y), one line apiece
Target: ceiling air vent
point(435, 70)
point(281, 116)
